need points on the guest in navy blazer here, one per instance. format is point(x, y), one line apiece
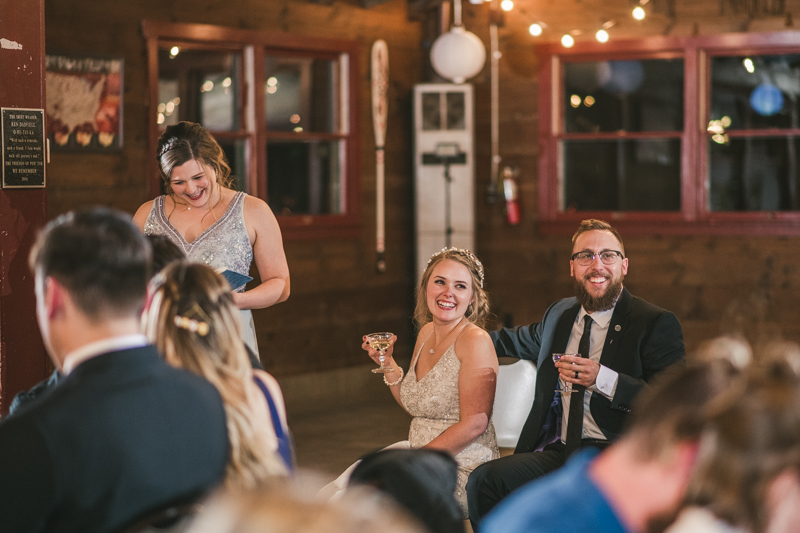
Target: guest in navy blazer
point(629, 342)
point(123, 435)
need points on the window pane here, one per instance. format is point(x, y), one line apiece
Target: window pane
point(631, 175)
point(199, 86)
point(305, 178)
point(302, 94)
point(638, 95)
point(431, 114)
point(236, 154)
point(755, 92)
point(754, 174)
point(456, 111)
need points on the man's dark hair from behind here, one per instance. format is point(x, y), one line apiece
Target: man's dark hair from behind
point(147, 435)
point(100, 257)
point(673, 408)
point(164, 252)
point(422, 481)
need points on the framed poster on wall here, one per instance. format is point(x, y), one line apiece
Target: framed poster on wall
point(84, 102)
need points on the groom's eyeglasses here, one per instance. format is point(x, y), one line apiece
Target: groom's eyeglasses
point(608, 257)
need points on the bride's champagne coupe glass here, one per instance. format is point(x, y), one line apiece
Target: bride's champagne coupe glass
point(567, 385)
point(381, 342)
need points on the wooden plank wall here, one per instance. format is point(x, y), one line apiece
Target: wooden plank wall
point(336, 294)
point(23, 359)
point(713, 284)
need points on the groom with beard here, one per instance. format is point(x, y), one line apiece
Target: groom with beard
point(622, 342)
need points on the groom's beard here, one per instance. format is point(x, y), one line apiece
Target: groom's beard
point(600, 303)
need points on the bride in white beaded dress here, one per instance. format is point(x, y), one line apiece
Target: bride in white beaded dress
point(450, 385)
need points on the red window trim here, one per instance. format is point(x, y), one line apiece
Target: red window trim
point(694, 217)
point(293, 227)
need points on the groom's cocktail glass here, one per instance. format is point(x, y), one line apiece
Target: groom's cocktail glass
point(381, 342)
point(567, 389)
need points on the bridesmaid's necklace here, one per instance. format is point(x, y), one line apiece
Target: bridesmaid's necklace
point(210, 208)
point(435, 344)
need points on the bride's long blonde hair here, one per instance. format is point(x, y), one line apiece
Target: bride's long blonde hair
point(195, 325)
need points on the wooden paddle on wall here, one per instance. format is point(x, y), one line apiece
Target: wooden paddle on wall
point(380, 84)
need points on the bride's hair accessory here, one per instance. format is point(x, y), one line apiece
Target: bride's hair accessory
point(190, 324)
point(463, 251)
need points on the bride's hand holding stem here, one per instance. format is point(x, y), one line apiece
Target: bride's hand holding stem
point(375, 354)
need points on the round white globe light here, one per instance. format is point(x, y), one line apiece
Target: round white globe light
point(567, 41)
point(601, 36)
point(458, 55)
point(535, 29)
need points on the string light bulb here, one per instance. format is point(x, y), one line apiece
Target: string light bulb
point(639, 13)
point(567, 41)
point(535, 29)
point(601, 36)
point(507, 5)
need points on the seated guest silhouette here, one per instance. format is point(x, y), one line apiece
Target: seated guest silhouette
point(124, 434)
point(164, 252)
point(422, 481)
point(634, 482)
point(196, 325)
point(289, 506)
point(747, 474)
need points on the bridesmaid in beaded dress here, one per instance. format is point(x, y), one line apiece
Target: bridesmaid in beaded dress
point(450, 385)
point(214, 224)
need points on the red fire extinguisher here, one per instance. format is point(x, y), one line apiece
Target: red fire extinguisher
point(511, 193)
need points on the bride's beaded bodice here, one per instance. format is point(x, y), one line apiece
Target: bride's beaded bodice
point(433, 402)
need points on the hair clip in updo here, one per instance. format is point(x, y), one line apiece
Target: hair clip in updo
point(190, 324)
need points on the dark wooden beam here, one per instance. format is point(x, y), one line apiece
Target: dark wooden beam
point(372, 3)
point(418, 9)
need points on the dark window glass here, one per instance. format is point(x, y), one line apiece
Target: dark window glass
point(236, 154)
point(199, 86)
point(754, 174)
point(431, 113)
point(754, 92)
point(636, 95)
point(456, 111)
point(301, 94)
point(630, 175)
point(305, 177)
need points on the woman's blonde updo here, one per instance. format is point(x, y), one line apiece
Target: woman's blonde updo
point(187, 141)
point(196, 326)
point(478, 309)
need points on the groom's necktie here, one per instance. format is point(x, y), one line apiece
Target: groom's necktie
point(575, 419)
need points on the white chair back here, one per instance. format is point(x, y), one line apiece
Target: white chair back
point(516, 385)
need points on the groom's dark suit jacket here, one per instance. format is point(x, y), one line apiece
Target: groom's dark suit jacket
point(122, 436)
point(642, 340)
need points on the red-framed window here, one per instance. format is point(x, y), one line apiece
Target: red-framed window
point(283, 107)
point(672, 135)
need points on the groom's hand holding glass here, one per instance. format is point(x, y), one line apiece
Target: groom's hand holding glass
point(578, 370)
